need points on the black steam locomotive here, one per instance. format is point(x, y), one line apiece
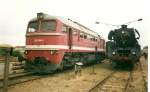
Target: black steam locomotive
point(123, 48)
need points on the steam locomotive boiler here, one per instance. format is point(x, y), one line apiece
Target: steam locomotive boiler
point(53, 43)
point(123, 48)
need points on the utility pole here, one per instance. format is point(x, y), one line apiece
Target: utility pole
point(6, 71)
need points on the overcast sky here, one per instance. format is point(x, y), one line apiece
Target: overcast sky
point(15, 14)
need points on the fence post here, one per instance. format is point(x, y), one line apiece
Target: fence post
point(6, 70)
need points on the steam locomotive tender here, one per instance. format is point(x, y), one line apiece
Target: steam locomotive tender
point(53, 43)
point(123, 48)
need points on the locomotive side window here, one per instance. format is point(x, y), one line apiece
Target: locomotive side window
point(33, 26)
point(64, 29)
point(93, 38)
point(85, 36)
point(75, 32)
point(81, 34)
point(89, 37)
point(48, 25)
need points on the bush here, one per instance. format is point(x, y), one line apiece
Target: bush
point(16, 53)
point(3, 51)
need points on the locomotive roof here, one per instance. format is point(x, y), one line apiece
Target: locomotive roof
point(69, 23)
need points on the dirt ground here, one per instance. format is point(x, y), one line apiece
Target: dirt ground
point(66, 82)
point(137, 83)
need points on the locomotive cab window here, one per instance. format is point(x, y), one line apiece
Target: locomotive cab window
point(48, 25)
point(33, 26)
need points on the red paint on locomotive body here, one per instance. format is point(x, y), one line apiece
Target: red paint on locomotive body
point(59, 36)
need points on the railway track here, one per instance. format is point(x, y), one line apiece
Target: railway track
point(117, 81)
point(16, 75)
point(129, 80)
point(24, 77)
point(143, 76)
point(124, 81)
point(19, 78)
point(138, 81)
point(101, 82)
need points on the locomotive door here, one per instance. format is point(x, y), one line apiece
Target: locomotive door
point(70, 38)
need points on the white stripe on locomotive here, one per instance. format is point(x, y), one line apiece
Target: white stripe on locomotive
point(57, 47)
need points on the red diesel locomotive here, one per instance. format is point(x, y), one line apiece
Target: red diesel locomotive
point(54, 43)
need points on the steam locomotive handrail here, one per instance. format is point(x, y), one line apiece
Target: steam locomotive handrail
point(137, 33)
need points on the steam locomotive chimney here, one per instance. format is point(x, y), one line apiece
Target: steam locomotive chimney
point(40, 15)
point(124, 26)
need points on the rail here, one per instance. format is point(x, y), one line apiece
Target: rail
point(101, 82)
point(128, 82)
point(143, 77)
point(16, 78)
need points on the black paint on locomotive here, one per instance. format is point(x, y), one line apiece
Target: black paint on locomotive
point(123, 46)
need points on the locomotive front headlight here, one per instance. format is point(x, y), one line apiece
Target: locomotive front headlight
point(53, 52)
point(123, 32)
point(133, 52)
point(25, 52)
point(113, 52)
